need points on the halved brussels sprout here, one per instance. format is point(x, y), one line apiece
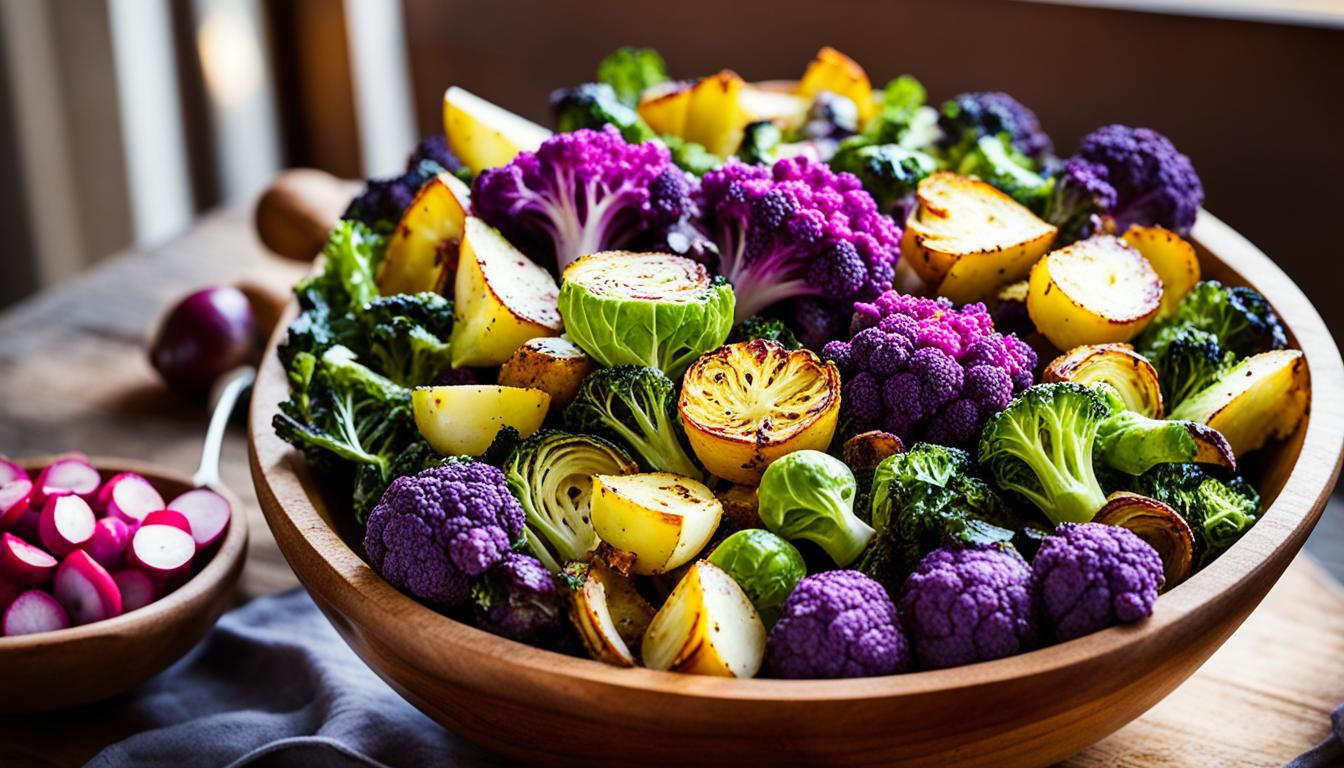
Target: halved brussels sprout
point(1157, 524)
point(764, 565)
point(745, 405)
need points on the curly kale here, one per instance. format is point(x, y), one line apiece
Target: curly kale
point(408, 336)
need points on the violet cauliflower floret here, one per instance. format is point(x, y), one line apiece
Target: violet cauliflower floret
point(432, 533)
point(968, 116)
point(797, 230)
point(1125, 176)
point(923, 370)
point(520, 599)
point(1090, 576)
point(963, 605)
point(582, 192)
point(837, 624)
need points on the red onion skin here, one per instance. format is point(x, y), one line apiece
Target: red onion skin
point(207, 334)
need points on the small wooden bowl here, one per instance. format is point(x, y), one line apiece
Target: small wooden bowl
point(70, 667)
point(1037, 708)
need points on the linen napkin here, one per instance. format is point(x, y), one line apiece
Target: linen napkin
point(1329, 753)
point(273, 684)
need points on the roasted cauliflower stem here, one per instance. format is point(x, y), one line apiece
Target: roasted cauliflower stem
point(745, 405)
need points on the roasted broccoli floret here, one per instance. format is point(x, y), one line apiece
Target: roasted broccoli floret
point(631, 71)
point(967, 117)
point(999, 163)
point(1219, 511)
point(759, 140)
point(636, 407)
point(901, 114)
point(923, 498)
point(593, 105)
point(1212, 328)
point(408, 335)
point(888, 171)
point(342, 414)
point(768, 328)
point(1041, 447)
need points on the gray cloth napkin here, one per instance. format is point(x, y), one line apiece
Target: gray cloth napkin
point(1329, 753)
point(274, 685)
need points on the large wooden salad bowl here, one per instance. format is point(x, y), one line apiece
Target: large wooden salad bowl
point(1032, 709)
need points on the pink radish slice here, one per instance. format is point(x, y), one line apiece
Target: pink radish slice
point(161, 551)
point(130, 497)
point(208, 512)
point(9, 471)
point(24, 562)
point(137, 589)
point(14, 499)
point(27, 524)
point(32, 612)
point(86, 589)
point(108, 543)
point(9, 589)
point(168, 517)
point(72, 474)
point(67, 524)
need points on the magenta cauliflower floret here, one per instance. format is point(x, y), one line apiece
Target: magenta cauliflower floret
point(837, 624)
point(520, 599)
point(966, 605)
point(1089, 576)
point(923, 370)
point(798, 230)
point(582, 192)
point(432, 533)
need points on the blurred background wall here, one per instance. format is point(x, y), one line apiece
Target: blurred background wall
point(121, 121)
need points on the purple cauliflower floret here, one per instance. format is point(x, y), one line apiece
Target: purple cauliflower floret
point(432, 533)
point(837, 624)
point(967, 117)
point(1089, 576)
point(1123, 176)
point(797, 230)
point(966, 605)
point(923, 370)
point(385, 200)
point(519, 599)
point(582, 192)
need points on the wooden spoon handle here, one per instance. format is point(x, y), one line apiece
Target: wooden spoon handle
point(297, 211)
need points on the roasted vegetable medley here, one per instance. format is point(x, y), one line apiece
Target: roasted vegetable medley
point(807, 381)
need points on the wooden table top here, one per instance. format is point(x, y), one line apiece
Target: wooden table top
point(76, 377)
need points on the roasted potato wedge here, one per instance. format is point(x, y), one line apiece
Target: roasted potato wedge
point(1259, 398)
point(664, 519)
point(485, 135)
point(707, 626)
point(464, 419)
point(969, 239)
point(552, 364)
point(833, 71)
point(501, 299)
point(1157, 524)
point(1173, 259)
point(740, 510)
point(1116, 364)
point(709, 112)
point(422, 252)
point(1094, 291)
point(611, 615)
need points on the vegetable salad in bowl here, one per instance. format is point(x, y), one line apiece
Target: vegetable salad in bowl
point(808, 380)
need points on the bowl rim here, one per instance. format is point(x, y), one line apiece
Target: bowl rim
point(1288, 520)
point(195, 592)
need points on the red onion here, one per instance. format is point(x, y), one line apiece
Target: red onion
point(207, 334)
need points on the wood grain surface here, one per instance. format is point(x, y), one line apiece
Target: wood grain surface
point(73, 369)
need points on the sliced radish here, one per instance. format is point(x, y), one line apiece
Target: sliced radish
point(32, 612)
point(9, 589)
point(168, 517)
point(28, 523)
point(130, 497)
point(9, 471)
point(86, 589)
point(73, 474)
point(14, 499)
point(67, 524)
point(161, 551)
point(108, 544)
point(137, 589)
point(208, 512)
point(24, 562)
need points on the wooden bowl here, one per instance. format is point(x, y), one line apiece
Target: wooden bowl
point(58, 670)
point(1033, 709)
